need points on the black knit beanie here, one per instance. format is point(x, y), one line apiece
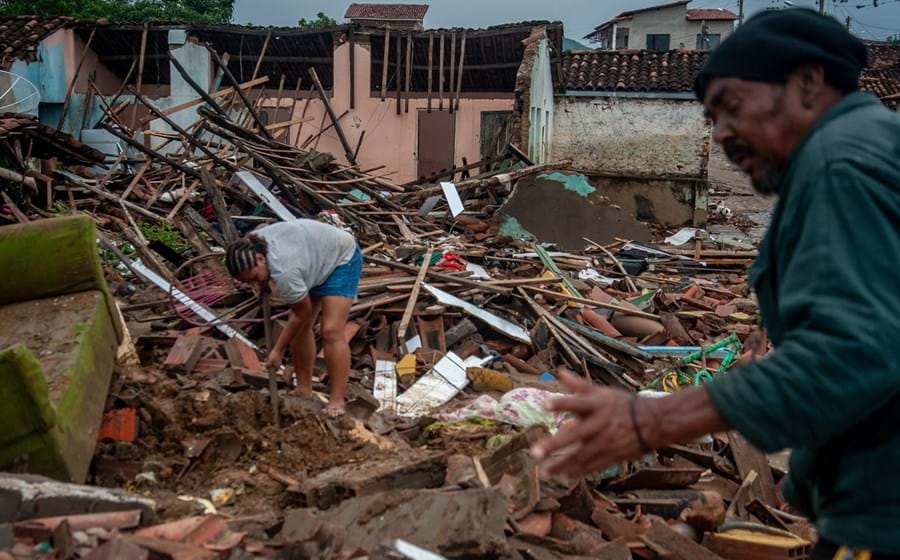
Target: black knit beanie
point(772, 44)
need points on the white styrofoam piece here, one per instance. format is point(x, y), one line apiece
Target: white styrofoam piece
point(263, 193)
point(497, 323)
point(437, 387)
point(452, 196)
point(385, 387)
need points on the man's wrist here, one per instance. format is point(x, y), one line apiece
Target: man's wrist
point(647, 422)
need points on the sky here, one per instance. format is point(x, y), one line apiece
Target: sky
point(579, 17)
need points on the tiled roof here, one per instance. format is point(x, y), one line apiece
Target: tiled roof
point(657, 71)
point(882, 76)
point(711, 14)
point(48, 141)
point(387, 11)
point(20, 35)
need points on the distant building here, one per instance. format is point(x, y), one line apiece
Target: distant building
point(398, 16)
point(665, 27)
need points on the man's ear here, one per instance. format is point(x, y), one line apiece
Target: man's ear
point(810, 78)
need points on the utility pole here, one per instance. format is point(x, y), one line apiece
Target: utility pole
point(821, 6)
point(848, 23)
point(740, 12)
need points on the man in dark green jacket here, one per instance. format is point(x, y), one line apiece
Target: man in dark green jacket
point(782, 93)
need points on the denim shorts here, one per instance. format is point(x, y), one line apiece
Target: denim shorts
point(344, 281)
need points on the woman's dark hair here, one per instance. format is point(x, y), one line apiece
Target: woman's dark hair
point(241, 254)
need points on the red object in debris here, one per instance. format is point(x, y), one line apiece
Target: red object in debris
point(119, 425)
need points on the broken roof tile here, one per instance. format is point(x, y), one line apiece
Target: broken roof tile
point(20, 35)
point(387, 11)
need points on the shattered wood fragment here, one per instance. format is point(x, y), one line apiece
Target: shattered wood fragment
point(748, 458)
point(185, 354)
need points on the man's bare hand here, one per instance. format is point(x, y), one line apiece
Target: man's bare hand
point(602, 434)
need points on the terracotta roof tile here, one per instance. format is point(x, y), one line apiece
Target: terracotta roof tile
point(882, 76)
point(387, 11)
point(711, 14)
point(660, 71)
point(48, 141)
point(20, 35)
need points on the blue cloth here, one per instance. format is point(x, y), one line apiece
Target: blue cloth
point(344, 281)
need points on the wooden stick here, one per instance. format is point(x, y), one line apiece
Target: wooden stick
point(234, 82)
point(65, 109)
point(441, 75)
point(409, 43)
point(452, 67)
point(352, 42)
point(430, 65)
point(348, 150)
point(593, 303)
point(221, 93)
point(184, 198)
point(262, 54)
point(462, 60)
point(140, 76)
point(458, 280)
point(411, 304)
point(229, 232)
point(628, 280)
point(384, 64)
point(399, 83)
point(136, 179)
point(200, 91)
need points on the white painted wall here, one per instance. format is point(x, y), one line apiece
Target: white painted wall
point(657, 137)
point(541, 105)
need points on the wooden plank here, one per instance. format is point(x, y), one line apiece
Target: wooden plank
point(221, 93)
point(68, 99)
point(592, 303)
point(398, 83)
point(413, 296)
point(185, 353)
point(384, 63)
point(352, 41)
point(452, 68)
point(140, 77)
point(668, 543)
point(242, 356)
point(229, 232)
point(441, 75)
point(430, 65)
point(136, 179)
point(262, 54)
point(462, 60)
point(747, 458)
point(409, 50)
point(235, 83)
point(348, 150)
point(457, 280)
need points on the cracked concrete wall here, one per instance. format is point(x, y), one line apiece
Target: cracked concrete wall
point(632, 136)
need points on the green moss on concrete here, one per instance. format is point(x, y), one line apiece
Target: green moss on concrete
point(571, 181)
point(50, 258)
point(510, 227)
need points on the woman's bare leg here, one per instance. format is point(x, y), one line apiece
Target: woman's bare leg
point(335, 310)
point(303, 352)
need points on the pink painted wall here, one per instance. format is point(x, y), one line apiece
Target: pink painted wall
point(106, 81)
point(391, 139)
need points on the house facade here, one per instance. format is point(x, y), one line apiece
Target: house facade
point(396, 16)
point(413, 104)
point(664, 27)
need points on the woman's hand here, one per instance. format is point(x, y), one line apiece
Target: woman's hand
point(275, 358)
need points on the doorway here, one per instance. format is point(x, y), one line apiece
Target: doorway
point(437, 136)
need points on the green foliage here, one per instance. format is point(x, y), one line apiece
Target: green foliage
point(194, 11)
point(167, 235)
point(321, 21)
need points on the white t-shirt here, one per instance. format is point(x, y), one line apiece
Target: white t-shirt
point(302, 255)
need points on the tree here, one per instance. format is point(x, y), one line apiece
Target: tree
point(321, 21)
point(194, 11)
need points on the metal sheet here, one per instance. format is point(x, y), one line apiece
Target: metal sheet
point(263, 193)
point(385, 386)
point(502, 325)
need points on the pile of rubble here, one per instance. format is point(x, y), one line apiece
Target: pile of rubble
point(454, 337)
